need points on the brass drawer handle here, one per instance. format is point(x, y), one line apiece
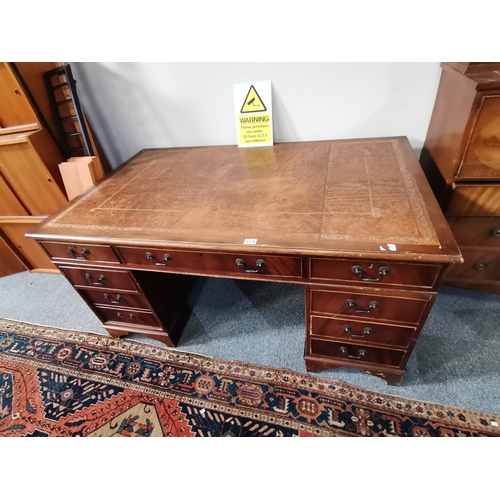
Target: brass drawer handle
point(166, 257)
point(117, 301)
point(495, 232)
point(481, 265)
point(98, 282)
point(361, 353)
point(119, 315)
point(366, 331)
point(359, 271)
point(259, 265)
point(372, 305)
point(73, 252)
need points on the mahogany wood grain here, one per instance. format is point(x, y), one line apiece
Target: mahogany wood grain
point(213, 262)
point(476, 231)
point(479, 264)
point(99, 278)
point(335, 270)
point(361, 331)
point(357, 354)
point(367, 305)
point(113, 298)
point(474, 199)
point(79, 252)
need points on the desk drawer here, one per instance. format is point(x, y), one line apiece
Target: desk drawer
point(377, 273)
point(127, 316)
point(272, 265)
point(112, 298)
point(474, 199)
point(102, 278)
point(476, 231)
point(368, 306)
point(80, 252)
point(357, 353)
point(482, 265)
point(399, 336)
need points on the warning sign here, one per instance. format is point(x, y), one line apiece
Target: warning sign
point(253, 103)
point(253, 107)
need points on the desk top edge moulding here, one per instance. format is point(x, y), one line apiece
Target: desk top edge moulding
point(355, 221)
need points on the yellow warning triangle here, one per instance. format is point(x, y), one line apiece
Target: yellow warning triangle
point(253, 103)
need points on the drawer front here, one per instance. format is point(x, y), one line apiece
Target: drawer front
point(357, 353)
point(479, 199)
point(476, 231)
point(482, 265)
point(123, 299)
point(102, 278)
point(368, 306)
point(361, 331)
point(374, 272)
point(213, 262)
point(482, 155)
point(126, 316)
point(80, 252)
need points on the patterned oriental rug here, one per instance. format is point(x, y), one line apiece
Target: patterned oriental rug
point(56, 382)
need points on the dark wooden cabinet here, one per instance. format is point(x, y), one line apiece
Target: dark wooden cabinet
point(461, 158)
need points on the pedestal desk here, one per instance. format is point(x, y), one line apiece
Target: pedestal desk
point(353, 220)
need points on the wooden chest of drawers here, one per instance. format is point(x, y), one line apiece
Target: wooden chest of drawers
point(461, 157)
point(355, 222)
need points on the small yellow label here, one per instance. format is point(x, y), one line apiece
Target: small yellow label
point(255, 129)
point(253, 103)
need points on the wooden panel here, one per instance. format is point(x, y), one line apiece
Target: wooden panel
point(474, 199)
point(482, 156)
point(29, 248)
point(9, 203)
point(103, 278)
point(479, 264)
point(27, 175)
point(397, 274)
point(476, 231)
point(15, 109)
point(368, 306)
point(361, 331)
point(9, 262)
point(133, 317)
point(211, 262)
point(357, 353)
point(80, 252)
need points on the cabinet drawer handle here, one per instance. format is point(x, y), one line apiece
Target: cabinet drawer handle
point(132, 316)
point(361, 353)
point(366, 331)
point(119, 315)
point(481, 265)
point(166, 257)
point(116, 301)
point(98, 282)
point(359, 271)
point(259, 265)
point(495, 232)
point(372, 305)
point(73, 252)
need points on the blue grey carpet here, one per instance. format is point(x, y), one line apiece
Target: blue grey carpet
point(456, 360)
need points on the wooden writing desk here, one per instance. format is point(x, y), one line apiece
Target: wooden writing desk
point(354, 221)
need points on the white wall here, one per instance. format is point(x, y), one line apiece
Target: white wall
point(133, 106)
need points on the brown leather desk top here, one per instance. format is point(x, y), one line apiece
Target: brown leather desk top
point(363, 197)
